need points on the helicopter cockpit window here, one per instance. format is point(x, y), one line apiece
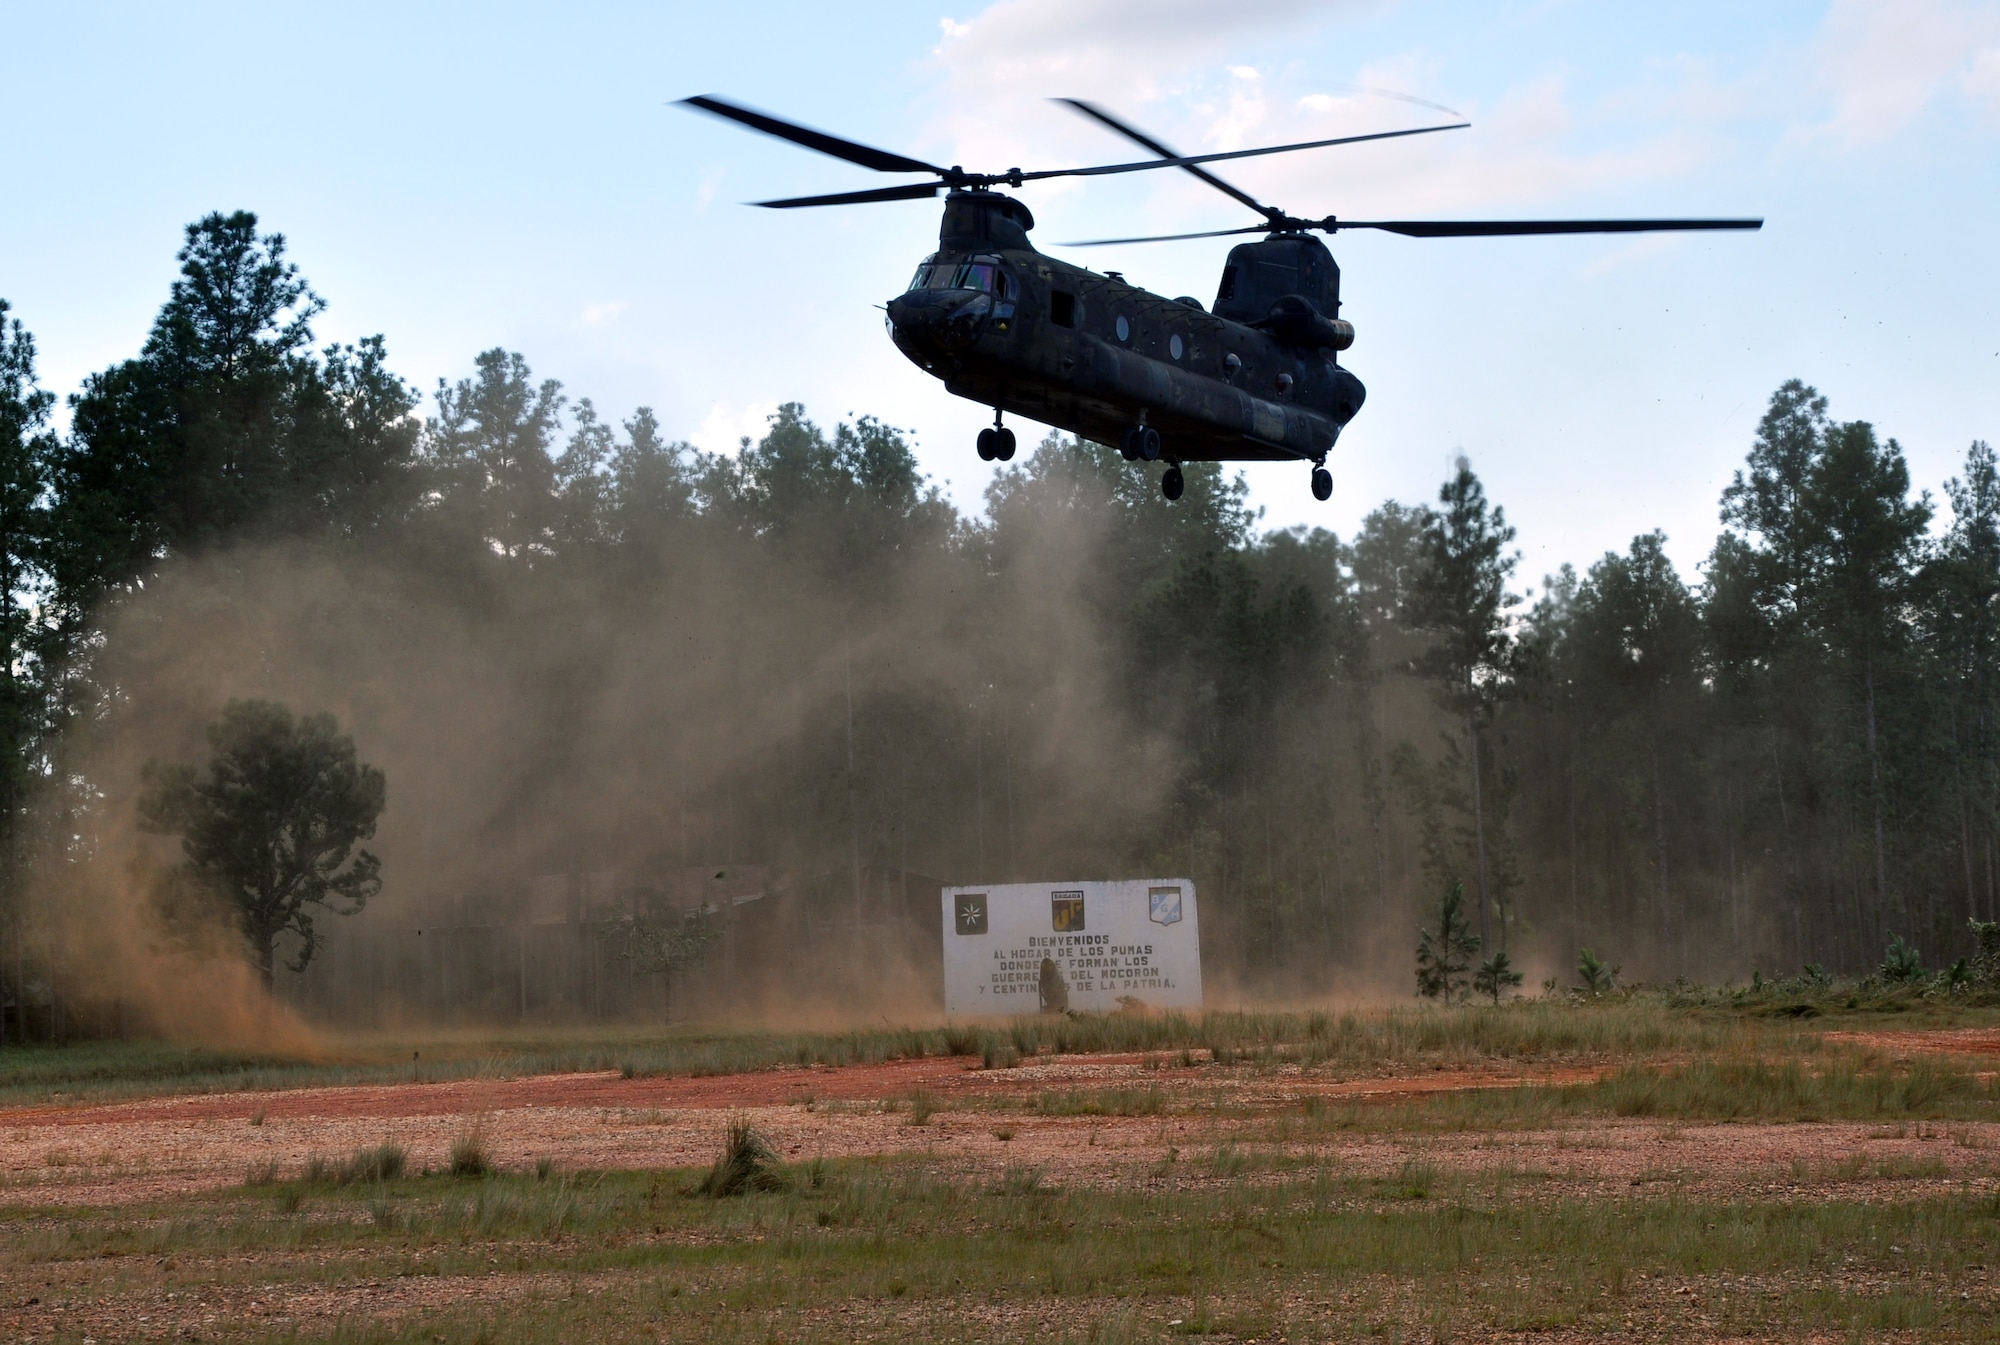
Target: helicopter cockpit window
point(922, 279)
point(976, 276)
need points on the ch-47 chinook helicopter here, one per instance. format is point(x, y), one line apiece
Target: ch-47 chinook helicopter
point(1255, 379)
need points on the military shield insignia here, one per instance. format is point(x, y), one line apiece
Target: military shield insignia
point(1066, 912)
point(1163, 905)
point(969, 912)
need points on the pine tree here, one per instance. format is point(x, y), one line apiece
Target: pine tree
point(1459, 597)
point(1445, 954)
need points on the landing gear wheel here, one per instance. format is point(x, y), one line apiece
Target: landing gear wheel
point(1149, 444)
point(1128, 444)
point(1171, 485)
point(1322, 484)
point(1003, 445)
point(988, 445)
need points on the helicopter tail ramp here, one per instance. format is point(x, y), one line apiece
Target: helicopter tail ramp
point(1096, 946)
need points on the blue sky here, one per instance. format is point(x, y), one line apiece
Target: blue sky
point(464, 176)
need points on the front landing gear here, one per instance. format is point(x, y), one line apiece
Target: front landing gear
point(1140, 443)
point(1172, 483)
point(996, 444)
point(1322, 484)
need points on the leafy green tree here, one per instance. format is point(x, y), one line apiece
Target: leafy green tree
point(269, 826)
point(662, 945)
point(1445, 954)
point(1495, 977)
point(1459, 597)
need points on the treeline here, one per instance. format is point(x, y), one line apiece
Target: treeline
point(578, 645)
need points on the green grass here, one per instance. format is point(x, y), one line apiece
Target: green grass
point(1635, 1028)
point(903, 1249)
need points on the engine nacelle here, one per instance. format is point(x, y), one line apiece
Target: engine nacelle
point(1294, 321)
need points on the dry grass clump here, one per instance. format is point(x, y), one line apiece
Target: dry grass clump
point(468, 1155)
point(379, 1163)
point(747, 1163)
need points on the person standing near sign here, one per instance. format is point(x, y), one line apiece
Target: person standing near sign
point(1055, 990)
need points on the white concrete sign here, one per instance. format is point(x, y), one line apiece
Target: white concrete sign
point(1043, 947)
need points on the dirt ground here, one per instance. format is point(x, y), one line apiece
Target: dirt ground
point(124, 1152)
point(973, 1120)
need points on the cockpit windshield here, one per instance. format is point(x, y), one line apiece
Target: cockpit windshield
point(954, 275)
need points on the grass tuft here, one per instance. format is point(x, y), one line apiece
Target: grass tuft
point(468, 1155)
point(747, 1163)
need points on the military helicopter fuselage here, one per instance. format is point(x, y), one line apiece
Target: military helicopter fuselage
point(1257, 377)
point(1009, 327)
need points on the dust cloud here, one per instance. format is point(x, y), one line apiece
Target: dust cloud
point(803, 750)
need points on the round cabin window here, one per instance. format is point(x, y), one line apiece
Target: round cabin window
point(1123, 328)
point(1174, 346)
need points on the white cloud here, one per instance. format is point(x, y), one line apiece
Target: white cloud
point(726, 427)
point(1178, 68)
point(598, 314)
point(1885, 62)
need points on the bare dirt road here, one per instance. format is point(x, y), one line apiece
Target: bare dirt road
point(123, 1152)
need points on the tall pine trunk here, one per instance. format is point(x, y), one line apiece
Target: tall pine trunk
point(1875, 792)
point(1479, 834)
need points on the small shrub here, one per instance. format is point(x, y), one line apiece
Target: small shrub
point(261, 1174)
point(923, 1106)
point(747, 1163)
point(1901, 964)
point(961, 1041)
point(1598, 977)
point(1495, 977)
point(1445, 954)
point(1003, 1133)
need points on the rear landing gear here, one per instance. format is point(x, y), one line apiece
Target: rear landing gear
point(1172, 483)
point(1322, 484)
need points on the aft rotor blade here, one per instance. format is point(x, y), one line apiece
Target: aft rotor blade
point(1147, 142)
point(881, 160)
point(913, 191)
point(1167, 238)
point(1501, 228)
point(1183, 160)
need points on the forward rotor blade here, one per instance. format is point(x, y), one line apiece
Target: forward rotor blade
point(1167, 238)
point(913, 191)
point(1147, 142)
point(881, 160)
point(1500, 228)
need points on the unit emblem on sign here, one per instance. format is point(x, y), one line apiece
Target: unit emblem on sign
point(969, 911)
point(1066, 911)
point(1163, 905)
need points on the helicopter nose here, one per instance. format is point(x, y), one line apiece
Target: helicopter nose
point(941, 319)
